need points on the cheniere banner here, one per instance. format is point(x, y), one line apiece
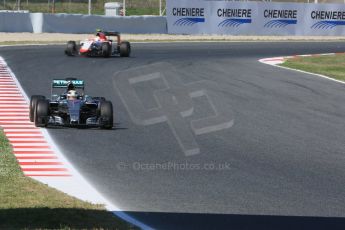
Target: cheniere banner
point(254, 18)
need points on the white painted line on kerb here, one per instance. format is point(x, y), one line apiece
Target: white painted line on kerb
point(24, 135)
point(31, 144)
point(36, 160)
point(13, 106)
point(69, 181)
point(59, 167)
point(33, 173)
point(34, 150)
point(13, 113)
point(27, 140)
point(12, 102)
point(33, 155)
point(14, 122)
point(28, 129)
point(15, 110)
point(14, 118)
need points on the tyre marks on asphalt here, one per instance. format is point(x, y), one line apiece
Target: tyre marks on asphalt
point(33, 153)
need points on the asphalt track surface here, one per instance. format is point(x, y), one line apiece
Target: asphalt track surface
point(283, 155)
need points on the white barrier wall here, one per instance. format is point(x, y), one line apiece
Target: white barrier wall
point(254, 18)
point(69, 23)
point(77, 23)
point(15, 22)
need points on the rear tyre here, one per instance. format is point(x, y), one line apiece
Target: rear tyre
point(33, 102)
point(106, 49)
point(106, 113)
point(125, 49)
point(71, 49)
point(42, 113)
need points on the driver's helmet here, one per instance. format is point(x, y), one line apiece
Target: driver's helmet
point(70, 86)
point(98, 31)
point(72, 95)
point(100, 35)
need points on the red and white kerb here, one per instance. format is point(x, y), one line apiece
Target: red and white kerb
point(34, 155)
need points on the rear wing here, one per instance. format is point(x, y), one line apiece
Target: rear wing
point(111, 33)
point(63, 83)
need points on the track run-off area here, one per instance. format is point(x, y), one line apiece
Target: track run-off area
point(203, 131)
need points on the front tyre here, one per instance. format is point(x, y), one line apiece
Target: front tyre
point(71, 48)
point(42, 113)
point(33, 102)
point(106, 113)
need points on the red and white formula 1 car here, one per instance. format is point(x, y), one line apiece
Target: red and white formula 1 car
point(101, 45)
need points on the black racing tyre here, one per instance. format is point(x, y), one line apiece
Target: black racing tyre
point(33, 102)
point(106, 49)
point(42, 113)
point(71, 48)
point(125, 49)
point(106, 112)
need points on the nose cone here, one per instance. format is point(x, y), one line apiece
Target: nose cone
point(74, 122)
point(74, 111)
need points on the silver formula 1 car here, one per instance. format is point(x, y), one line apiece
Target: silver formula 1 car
point(71, 108)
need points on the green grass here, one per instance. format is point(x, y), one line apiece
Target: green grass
point(133, 7)
point(28, 204)
point(331, 65)
point(142, 11)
